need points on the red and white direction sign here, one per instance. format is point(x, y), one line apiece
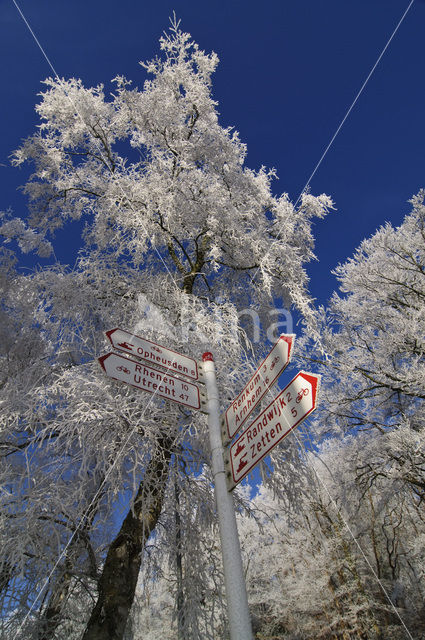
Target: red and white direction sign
point(139, 375)
point(286, 412)
point(265, 376)
point(154, 353)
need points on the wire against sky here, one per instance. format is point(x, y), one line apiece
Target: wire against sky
point(351, 107)
point(74, 106)
point(36, 39)
point(307, 184)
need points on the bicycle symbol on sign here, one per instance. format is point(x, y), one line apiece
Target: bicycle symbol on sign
point(301, 393)
point(276, 359)
point(123, 369)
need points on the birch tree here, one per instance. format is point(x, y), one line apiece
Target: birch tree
point(179, 237)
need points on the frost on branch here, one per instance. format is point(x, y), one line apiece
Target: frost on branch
point(370, 468)
point(180, 239)
point(154, 169)
point(27, 239)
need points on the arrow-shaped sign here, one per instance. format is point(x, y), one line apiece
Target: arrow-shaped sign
point(139, 375)
point(265, 376)
point(286, 412)
point(153, 353)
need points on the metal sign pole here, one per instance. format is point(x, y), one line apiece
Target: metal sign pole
point(237, 601)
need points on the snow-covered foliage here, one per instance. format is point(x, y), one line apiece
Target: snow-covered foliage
point(374, 331)
point(313, 576)
point(372, 412)
point(153, 172)
point(179, 236)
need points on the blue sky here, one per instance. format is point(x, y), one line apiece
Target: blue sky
point(288, 73)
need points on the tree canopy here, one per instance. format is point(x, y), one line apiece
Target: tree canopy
point(107, 522)
point(180, 236)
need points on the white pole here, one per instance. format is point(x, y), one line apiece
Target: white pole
point(237, 601)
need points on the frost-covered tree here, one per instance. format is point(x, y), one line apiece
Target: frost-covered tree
point(373, 331)
point(374, 390)
point(309, 575)
point(38, 490)
point(305, 575)
point(179, 236)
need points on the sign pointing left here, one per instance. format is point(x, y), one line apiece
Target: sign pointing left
point(153, 353)
point(139, 375)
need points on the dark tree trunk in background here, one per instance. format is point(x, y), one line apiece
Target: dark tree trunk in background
point(118, 581)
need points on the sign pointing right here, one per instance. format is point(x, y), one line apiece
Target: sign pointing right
point(286, 412)
point(265, 376)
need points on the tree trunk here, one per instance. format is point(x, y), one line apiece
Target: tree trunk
point(117, 583)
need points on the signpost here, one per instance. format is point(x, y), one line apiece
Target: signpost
point(153, 353)
point(140, 375)
point(286, 412)
point(234, 576)
point(265, 376)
